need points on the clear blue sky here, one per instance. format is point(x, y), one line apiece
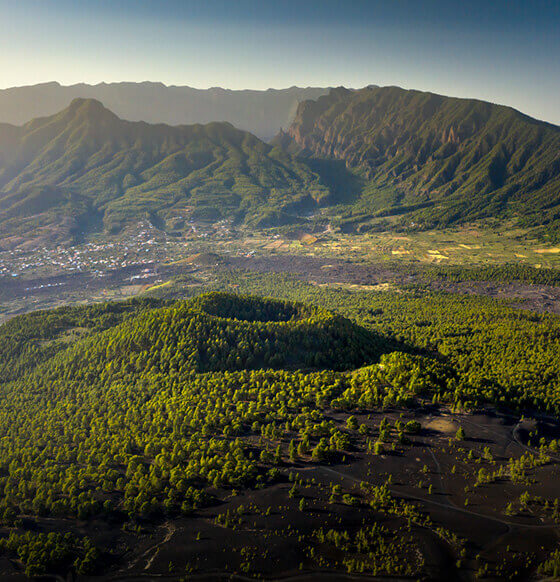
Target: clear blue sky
point(502, 51)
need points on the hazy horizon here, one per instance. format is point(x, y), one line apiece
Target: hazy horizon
point(503, 52)
point(243, 89)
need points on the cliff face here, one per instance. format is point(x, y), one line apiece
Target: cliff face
point(434, 147)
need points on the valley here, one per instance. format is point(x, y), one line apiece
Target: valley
point(352, 162)
point(332, 355)
point(496, 262)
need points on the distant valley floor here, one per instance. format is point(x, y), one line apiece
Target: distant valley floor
point(20, 295)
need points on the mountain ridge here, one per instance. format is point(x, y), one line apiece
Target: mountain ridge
point(86, 161)
point(476, 158)
point(376, 158)
point(262, 113)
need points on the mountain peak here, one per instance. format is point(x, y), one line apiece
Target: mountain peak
point(90, 158)
point(262, 113)
point(89, 108)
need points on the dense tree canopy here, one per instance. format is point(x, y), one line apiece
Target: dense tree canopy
point(152, 407)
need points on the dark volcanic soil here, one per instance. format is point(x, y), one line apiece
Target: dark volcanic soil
point(434, 472)
point(66, 288)
point(540, 298)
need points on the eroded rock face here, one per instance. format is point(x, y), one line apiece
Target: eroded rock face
point(432, 145)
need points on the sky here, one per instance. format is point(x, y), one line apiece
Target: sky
point(504, 51)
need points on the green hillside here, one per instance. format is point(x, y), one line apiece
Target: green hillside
point(438, 160)
point(85, 169)
point(368, 159)
point(126, 425)
point(210, 333)
point(121, 409)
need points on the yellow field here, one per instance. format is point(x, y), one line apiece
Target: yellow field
point(469, 245)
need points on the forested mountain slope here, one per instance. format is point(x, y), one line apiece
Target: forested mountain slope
point(357, 156)
point(118, 364)
point(85, 168)
point(439, 158)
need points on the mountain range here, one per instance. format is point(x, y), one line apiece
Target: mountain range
point(437, 159)
point(262, 113)
point(368, 159)
point(85, 168)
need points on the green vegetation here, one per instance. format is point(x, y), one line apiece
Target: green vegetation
point(429, 161)
point(394, 159)
point(506, 273)
point(486, 250)
point(28, 340)
point(551, 567)
point(370, 550)
point(85, 168)
point(154, 408)
point(158, 409)
point(124, 420)
point(47, 553)
point(202, 404)
point(496, 354)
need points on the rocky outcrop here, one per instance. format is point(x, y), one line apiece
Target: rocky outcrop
point(428, 145)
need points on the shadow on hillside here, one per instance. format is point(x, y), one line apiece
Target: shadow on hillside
point(345, 186)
